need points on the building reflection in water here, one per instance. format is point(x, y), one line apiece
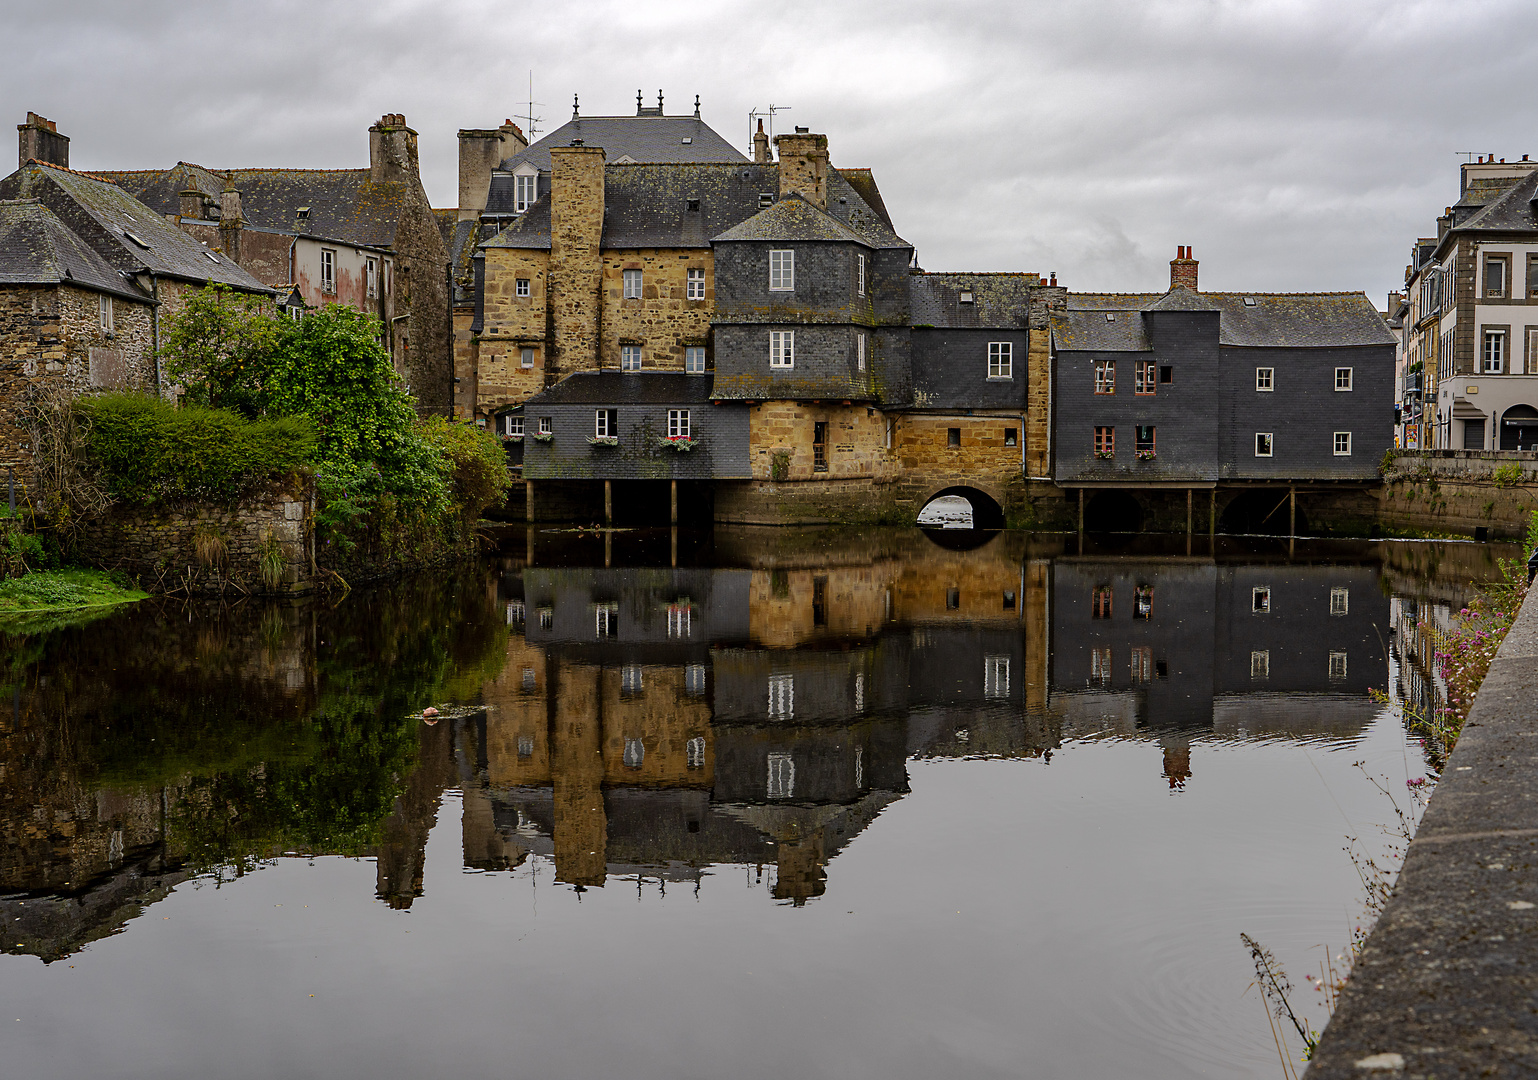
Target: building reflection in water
point(651, 721)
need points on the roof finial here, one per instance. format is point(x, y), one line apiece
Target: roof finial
point(696, 106)
point(574, 106)
point(638, 103)
point(659, 101)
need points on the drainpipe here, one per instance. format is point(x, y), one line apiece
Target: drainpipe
point(155, 332)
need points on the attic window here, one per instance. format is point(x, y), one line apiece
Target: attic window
point(966, 296)
point(1249, 301)
point(694, 205)
point(687, 139)
point(765, 200)
point(136, 240)
point(1110, 316)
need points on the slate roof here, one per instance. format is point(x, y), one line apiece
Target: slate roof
point(37, 249)
point(1511, 211)
point(647, 206)
point(1273, 320)
point(625, 388)
point(792, 218)
point(130, 236)
point(644, 139)
point(999, 301)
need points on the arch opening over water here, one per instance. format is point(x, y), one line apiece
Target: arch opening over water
point(961, 508)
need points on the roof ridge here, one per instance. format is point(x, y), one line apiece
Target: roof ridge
point(72, 172)
point(288, 168)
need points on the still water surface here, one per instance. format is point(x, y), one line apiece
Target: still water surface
point(757, 803)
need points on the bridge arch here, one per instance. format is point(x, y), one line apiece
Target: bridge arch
point(987, 512)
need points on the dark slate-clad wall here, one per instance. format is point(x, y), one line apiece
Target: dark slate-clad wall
point(950, 369)
point(837, 764)
point(718, 600)
point(720, 451)
point(892, 366)
point(1184, 412)
point(1305, 410)
point(825, 364)
point(824, 283)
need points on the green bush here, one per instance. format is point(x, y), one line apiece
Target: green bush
point(475, 462)
point(149, 451)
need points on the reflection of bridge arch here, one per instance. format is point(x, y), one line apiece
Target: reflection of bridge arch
point(987, 511)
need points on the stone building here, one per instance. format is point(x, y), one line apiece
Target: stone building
point(1251, 393)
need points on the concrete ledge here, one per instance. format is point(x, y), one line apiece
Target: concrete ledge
point(1447, 984)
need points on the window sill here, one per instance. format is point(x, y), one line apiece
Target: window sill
point(1001, 378)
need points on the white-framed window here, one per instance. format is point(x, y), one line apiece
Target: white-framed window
point(782, 777)
point(694, 681)
point(694, 360)
point(782, 348)
point(859, 274)
point(1260, 599)
point(526, 358)
point(327, 270)
point(782, 696)
point(678, 423)
point(632, 284)
point(524, 188)
point(1495, 352)
point(630, 679)
point(104, 310)
point(859, 352)
point(630, 358)
point(1260, 664)
point(995, 677)
point(782, 271)
point(694, 749)
point(510, 424)
point(1343, 378)
point(1105, 376)
point(605, 423)
point(546, 426)
point(1001, 362)
point(1337, 665)
point(371, 277)
point(635, 753)
point(1265, 379)
point(694, 286)
point(521, 287)
point(1343, 444)
point(1340, 601)
point(1262, 444)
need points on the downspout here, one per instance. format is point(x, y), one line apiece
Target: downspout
point(155, 332)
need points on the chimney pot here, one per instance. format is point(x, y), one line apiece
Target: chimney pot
point(39, 139)
point(1183, 269)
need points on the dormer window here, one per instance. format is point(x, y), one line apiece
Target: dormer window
point(525, 190)
point(966, 296)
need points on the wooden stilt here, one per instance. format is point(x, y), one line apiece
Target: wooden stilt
point(1081, 510)
point(1212, 513)
point(608, 502)
point(675, 545)
point(608, 548)
point(673, 485)
point(1190, 495)
point(528, 500)
point(1292, 512)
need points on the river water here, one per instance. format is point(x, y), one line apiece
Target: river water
point(751, 803)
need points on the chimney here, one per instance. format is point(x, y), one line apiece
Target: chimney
point(190, 204)
point(392, 150)
point(761, 146)
point(481, 150)
point(40, 139)
point(576, 268)
point(231, 222)
point(804, 166)
point(1183, 269)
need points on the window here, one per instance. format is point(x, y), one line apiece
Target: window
point(782, 271)
point(965, 297)
point(632, 280)
point(1105, 376)
point(1142, 602)
point(523, 192)
point(782, 696)
point(630, 358)
point(1142, 665)
point(1262, 444)
point(819, 446)
point(1495, 278)
point(1343, 444)
point(545, 426)
point(782, 348)
point(694, 287)
point(104, 309)
point(525, 746)
point(1011, 436)
point(1495, 352)
point(630, 679)
point(1105, 442)
point(605, 423)
point(521, 287)
point(1340, 601)
point(694, 360)
point(891, 431)
point(765, 200)
point(1265, 379)
point(1260, 599)
point(327, 270)
point(526, 357)
point(678, 423)
point(1260, 664)
point(859, 352)
point(694, 749)
point(1144, 441)
point(995, 677)
point(512, 424)
point(1100, 666)
point(635, 753)
point(371, 277)
point(1143, 374)
point(859, 274)
point(782, 777)
point(953, 436)
point(1166, 374)
point(1001, 364)
point(1343, 378)
point(1100, 603)
point(694, 681)
point(606, 620)
point(1337, 665)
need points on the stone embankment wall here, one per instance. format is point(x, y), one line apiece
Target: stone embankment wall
point(160, 545)
point(1459, 491)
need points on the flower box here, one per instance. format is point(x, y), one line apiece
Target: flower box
point(603, 440)
point(544, 436)
point(680, 443)
point(1145, 455)
point(1104, 455)
point(512, 438)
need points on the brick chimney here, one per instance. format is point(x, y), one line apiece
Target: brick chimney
point(40, 139)
point(1183, 269)
point(761, 145)
point(392, 150)
point(804, 166)
point(480, 151)
point(576, 268)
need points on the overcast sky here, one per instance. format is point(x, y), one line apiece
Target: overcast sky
point(1295, 144)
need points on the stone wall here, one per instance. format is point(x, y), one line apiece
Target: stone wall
point(663, 321)
point(982, 460)
point(511, 324)
point(1459, 491)
point(576, 264)
point(856, 441)
point(159, 544)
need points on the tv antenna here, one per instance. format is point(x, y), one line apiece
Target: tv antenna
point(753, 118)
point(533, 121)
point(1468, 155)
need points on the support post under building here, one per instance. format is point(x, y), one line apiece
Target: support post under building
point(673, 486)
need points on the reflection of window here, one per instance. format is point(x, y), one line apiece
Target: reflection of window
point(859, 693)
point(859, 767)
point(952, 599)
point(525, 746)
point(630, 679)
point(1100, 603)
point(679, 618)
point(546, 618)
point(1100, 666)
point(515, 613)
point(996, 676)
point(606, 620)
point(819, 601)
point(530, 679)
point(1340, 601)
point(782, 696)
point(635, 753)
point(694, 679)
point(1142, 602)
point(1009, 599)
point(1142, 665)
point(1260, 599)
point(782, 776)
point(1337, 665)
point(1260, 664)
point(694, 752)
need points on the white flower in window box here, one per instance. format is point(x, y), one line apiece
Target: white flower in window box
point(544, 436)
point(1145, 455)
point(603, 440)
point(681, 443)
point(1105, 455)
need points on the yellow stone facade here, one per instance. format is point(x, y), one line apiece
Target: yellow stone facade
point(663, 320)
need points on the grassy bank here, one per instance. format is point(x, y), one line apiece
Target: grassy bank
point(44, 592)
